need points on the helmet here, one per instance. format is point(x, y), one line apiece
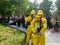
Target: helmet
point(40, 13)
point(33, 12)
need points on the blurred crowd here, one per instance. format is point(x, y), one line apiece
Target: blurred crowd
point(14, 20)
point(53, 22)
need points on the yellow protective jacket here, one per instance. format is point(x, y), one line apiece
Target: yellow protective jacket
point(44, 22)
point(28, 19)
point(28, 30)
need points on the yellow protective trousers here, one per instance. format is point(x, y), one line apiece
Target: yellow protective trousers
point(28, 34)
point(38, 40)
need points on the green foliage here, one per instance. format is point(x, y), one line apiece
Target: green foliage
point(35, 5)
point(17, 7)
point(45, 6)
point(32, 6)
point(29, 7)
point(10, 36)
point(58, 7)
point(21, 7)
point(7, 7)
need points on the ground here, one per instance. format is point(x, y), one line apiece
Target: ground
point(10, 36)
point(52, 38)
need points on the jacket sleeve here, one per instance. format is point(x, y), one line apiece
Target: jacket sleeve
point(28, 19)
point(33, 21)
point(32, 25)
point(44, 21)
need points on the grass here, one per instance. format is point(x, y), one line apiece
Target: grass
point(10, 36)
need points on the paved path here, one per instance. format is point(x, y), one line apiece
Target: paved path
point(21, 29)
point(51, 38)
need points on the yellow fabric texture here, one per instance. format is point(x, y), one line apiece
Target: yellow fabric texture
point(28, 19)
point(28, 31)
point(39, 40)
point(44, 22)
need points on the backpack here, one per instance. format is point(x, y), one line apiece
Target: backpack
point(53, 21)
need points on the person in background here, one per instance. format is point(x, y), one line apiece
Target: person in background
point(28, 31)
point(26, 23)
point(18, 21)
point(23, 21)
point(14, 20)
point(49, 25)
point(53, 22)
point(59, 24)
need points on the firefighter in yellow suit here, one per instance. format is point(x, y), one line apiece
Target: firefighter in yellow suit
point(39, 26)
point(28, 31)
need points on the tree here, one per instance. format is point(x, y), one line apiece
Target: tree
point(32, 6)
point(58, 6)
point(7, 7)
point(35, 5)
point(45, 6)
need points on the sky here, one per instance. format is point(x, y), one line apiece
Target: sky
point(39, 1)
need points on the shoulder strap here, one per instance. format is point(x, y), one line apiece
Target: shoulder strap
point(39, 29)
point(40, 23)
point(32, 18)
